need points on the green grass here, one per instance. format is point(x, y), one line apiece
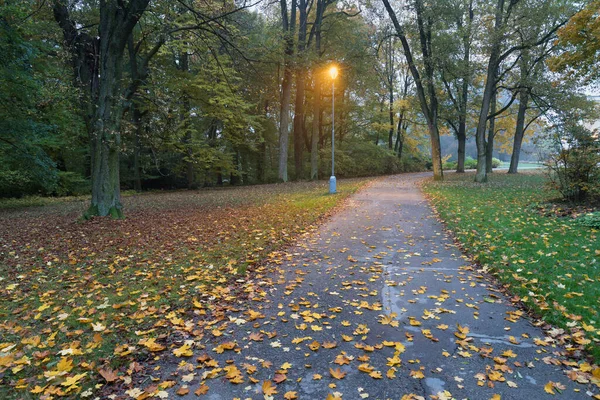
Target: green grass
point(523, 165)
point(552, 263)
point(177, 258)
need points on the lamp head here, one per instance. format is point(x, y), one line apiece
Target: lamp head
point(333, 72)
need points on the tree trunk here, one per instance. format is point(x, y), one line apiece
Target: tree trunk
point(429, 108)
point(461, 135)
point(519, 131)
point(314, 144)
point(116, 25)
point(490, 85)
point(400, 136)
point(138, 128)
point(289, 27)
point(489, 145)
point(391, 111)
point(284, 122)
point(299, 128)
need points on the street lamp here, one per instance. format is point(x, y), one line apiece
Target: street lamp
point(333, 72)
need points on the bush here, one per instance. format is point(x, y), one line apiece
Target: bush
point(470, 163)
point(591, 220)
point(359, 158)
point(574, 164)
point(71, 184)
point(496, 162)
point(17, 183)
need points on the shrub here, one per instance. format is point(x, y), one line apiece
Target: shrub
point(496, 162)
point(449, 165)
point(359, 158)
point(574, 164)
point(470, 163)
point(17, 183)
point(71, 184)
point(591, 220)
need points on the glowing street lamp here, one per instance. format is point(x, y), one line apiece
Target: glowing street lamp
point(333, 72)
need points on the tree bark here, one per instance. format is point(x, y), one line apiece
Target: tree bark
point(137, 148)
point(314, 144)
point(490, 84)
point(289, 27)
point(461, 135)
point(489, 145)
point(519, 131)
point(299, 111)
point(116, 24)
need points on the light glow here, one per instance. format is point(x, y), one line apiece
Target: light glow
point(333, 72)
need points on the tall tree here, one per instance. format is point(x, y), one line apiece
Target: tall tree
point(98, 66)
point(457, 76)
point(289, 29)
point(509, 19)
point(299, 110)
point(425, 87)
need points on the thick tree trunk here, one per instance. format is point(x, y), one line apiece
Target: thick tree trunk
point(116, 25)
point(461, 135)
point(436, 151)
point(519, 131)
point(489, 145)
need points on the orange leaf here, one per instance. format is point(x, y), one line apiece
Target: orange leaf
point(108, 375)
point(268, 388)
point(337, 373)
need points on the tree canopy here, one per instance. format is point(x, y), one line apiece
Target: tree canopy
point(97, 97)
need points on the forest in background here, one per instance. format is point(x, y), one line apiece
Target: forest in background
point(99, 96)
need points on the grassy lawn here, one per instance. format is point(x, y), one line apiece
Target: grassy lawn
point(551, 263)
point(523, 165)
point(81, 303)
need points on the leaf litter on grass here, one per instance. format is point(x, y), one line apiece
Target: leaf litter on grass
point(82, 304)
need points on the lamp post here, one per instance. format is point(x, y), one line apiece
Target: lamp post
point(333, 72)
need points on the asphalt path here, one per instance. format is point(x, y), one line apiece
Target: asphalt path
point(381, 292)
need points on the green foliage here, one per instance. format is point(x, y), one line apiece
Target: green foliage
point(574, 163)
point(591, 220)
point(360, 158)
point(470, 163)
point(71, 184)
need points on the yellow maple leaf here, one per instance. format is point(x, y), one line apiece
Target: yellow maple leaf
point(268, 388)
point(151, 344)
point(73, 380)
point(418, 374)
point(65, 364)
point(375, 375)
point(549, 387)
point(337, 373)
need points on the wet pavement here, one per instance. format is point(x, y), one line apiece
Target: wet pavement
point(378, 303)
